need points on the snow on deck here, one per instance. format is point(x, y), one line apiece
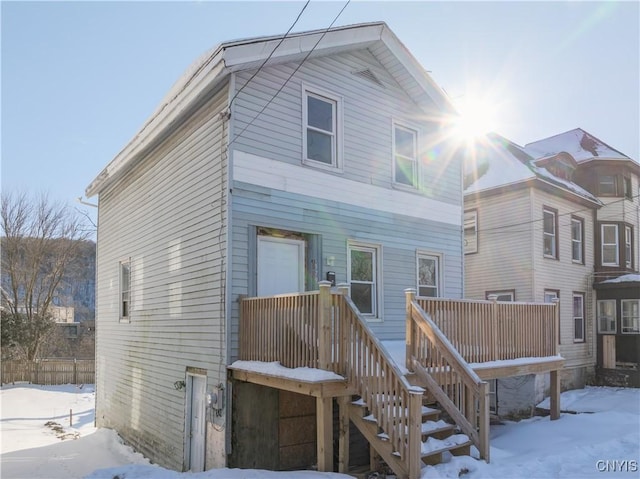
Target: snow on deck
point(309, 375)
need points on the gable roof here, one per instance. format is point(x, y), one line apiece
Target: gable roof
point(500, 163)
point(213, 67)
point(582, 146)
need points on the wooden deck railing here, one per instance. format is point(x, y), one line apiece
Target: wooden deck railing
point(448, 377)
point(493, 330)
point(325, 330)
point(280, 328)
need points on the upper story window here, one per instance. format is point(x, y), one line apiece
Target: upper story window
point(607, 185)
point(607, 316)
point(125, 289)
point(630, 316)
point(609, 246)
point(428, 275)
point(321, 129)
point(578, 317)
point(405, 156)
point(628, 194)
point(550, 235)
point(577, 243)
point(628, 249)
point(364, 277)
point(470, 231)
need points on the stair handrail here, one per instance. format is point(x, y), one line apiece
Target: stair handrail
point(473, 420)
point(406, 437)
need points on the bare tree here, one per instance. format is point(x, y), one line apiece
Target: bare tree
point(39, 242)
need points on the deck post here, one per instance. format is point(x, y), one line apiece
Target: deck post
point(554, 379)
point(494, 327)
point(483, 425)
point(324, 326)
point(324, 413)
point(415, 434)
point(343, 434)
point(342, 359)
point(556, 327)
point(410, 296)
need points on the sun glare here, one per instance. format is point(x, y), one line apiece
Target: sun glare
point(477, 118)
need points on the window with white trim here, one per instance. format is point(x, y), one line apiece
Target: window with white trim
point(321, 118)
point(578, 317)
point(628, 251)
point(428, 269)
point(405, 156)
point(470, 231)
point(364, 277)
point(606, 316)
point(630, 316)
point(577, 245)
point(550, 237)
point(609, 245)
point(125, 289)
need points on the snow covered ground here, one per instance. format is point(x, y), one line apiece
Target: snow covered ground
point(602, 440)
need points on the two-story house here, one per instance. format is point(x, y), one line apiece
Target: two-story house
point(272, 164)
point(528, 232)
point(613, 178)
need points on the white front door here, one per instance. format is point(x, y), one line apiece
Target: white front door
point(280, 265)
point(196, 410)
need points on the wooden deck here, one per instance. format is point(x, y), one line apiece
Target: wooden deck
point(452, 348)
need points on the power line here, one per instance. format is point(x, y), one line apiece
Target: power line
point(290, 76)
point(270, 54)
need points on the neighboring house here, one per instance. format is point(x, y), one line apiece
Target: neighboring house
point(614, 178)
point(71, 340)
point(62, 314)
point(528, 237)
point(233, 188)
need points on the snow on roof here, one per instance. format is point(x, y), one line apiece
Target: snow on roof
point(578, 143)
point(625, 278)
point(497, 165)
point(500, 162)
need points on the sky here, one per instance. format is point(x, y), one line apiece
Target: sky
point(78, 79)
point(601, 443)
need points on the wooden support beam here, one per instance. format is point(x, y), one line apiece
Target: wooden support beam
point(415, 434)
point(324, 414)
point(410, 296)
point(324, 326)
point(554, 379)
point(343, 434)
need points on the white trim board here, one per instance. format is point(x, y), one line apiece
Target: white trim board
point(307, 181)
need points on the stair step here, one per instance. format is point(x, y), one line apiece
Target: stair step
point(432, 449)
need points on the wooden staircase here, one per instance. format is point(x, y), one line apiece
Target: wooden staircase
point(437, 437)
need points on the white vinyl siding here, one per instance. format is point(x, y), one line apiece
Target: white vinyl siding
point(321, 128)
point(405, 156)
point(470, 232)
point(630, 316)
point(368, 111)
point(609, 239)
point(429, 276)
point(364, 277)
point(166, 215)
point(607, 316)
